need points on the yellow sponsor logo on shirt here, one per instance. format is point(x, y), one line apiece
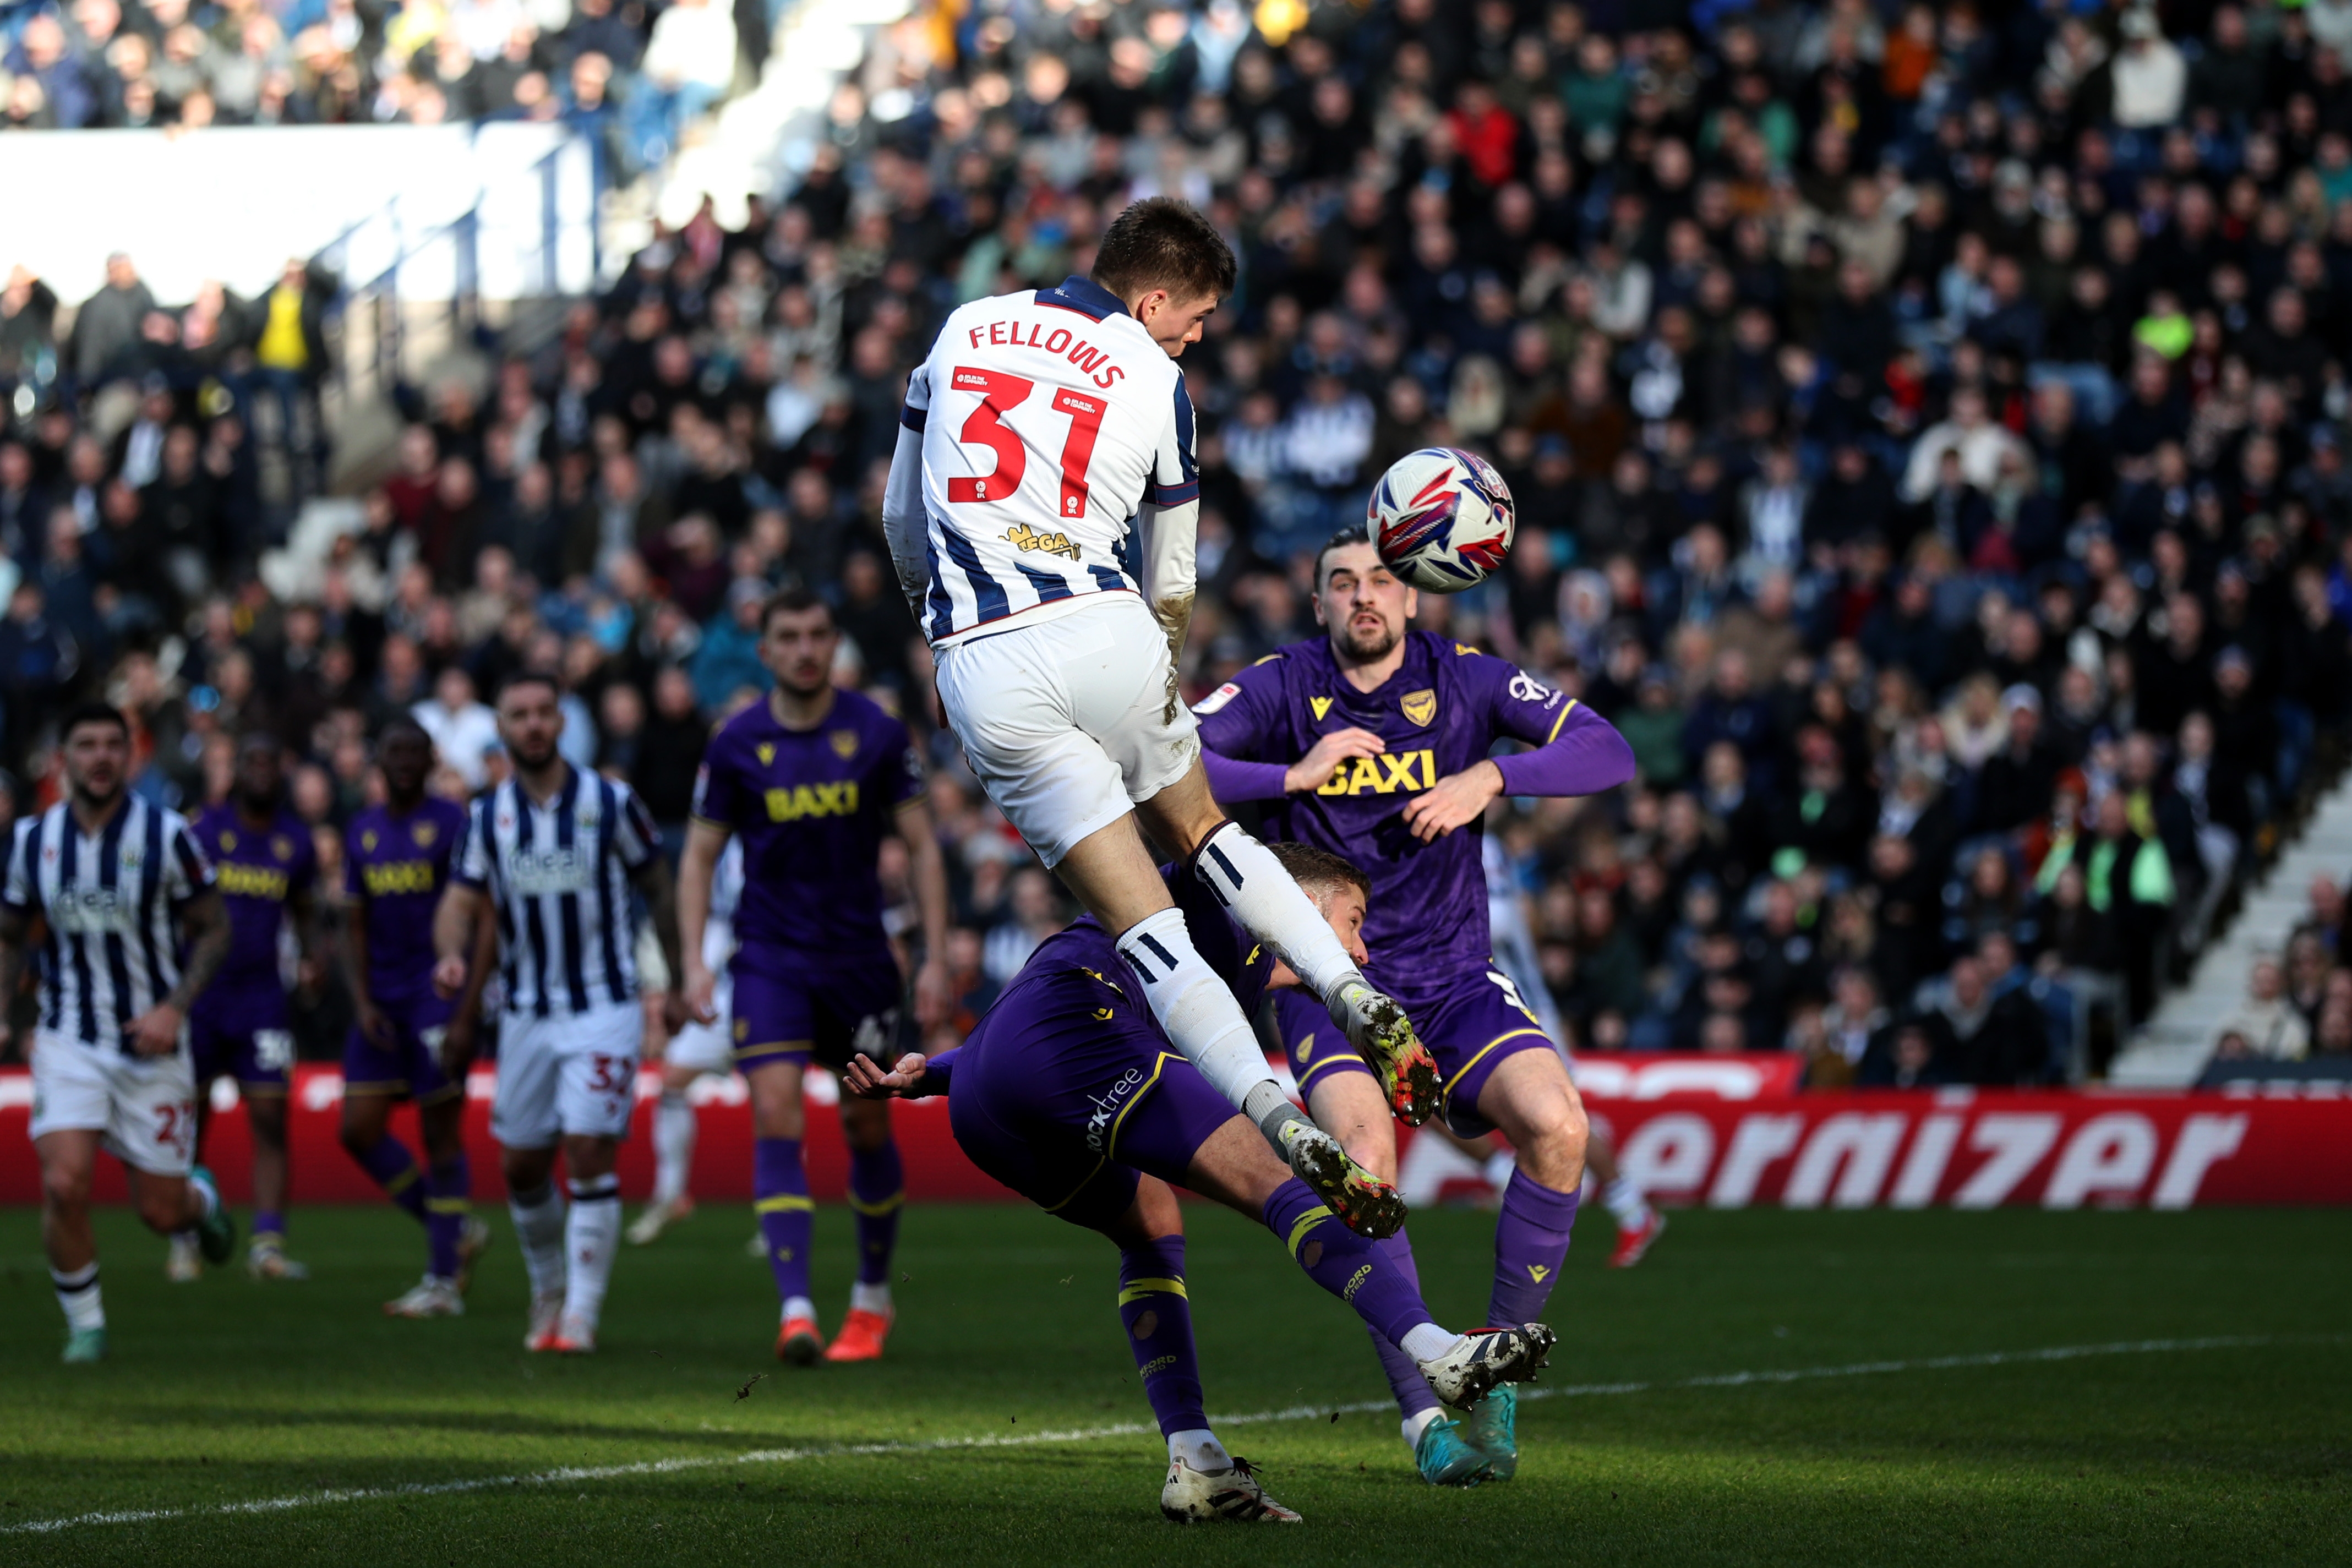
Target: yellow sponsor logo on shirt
point(1021, 537)
point(1383, 774)
point(251, 881)
point(397, 876)
point(802, 801)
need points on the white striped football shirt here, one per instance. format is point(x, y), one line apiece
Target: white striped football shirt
point(1049, 420)
point(110, 902)
point(559, 877)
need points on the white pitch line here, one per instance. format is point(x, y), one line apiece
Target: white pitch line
point(570, 1474)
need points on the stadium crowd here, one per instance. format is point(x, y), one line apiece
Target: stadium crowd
point(629, 73)
point(1926, 423)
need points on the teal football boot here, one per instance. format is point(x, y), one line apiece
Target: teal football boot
point(1493, 1428)
point(1445, 1459)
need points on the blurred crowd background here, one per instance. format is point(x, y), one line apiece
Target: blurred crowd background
point(1926, 425)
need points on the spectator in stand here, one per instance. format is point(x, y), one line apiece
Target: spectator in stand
point(2265, 1024)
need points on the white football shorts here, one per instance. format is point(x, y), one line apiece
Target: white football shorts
point(704, 1047)
point(1065, 721)
point(566, 1077)
point(145, 1105)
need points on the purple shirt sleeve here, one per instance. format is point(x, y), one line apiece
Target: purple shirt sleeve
point(1232, 780)
point(937, 1071)
point(1576, 751)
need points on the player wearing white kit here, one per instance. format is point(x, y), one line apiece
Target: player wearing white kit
point(132, 930)
point(552, 854)
point(694, 1051)
point(1041, 510)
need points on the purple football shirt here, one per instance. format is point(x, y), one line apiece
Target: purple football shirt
point(1441, 712)
point(394, 868)
point(259, 872)
point(812, 808)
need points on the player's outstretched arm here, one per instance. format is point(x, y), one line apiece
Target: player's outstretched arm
point(916, 1076)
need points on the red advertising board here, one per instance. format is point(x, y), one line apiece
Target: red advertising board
point(1722, 1131)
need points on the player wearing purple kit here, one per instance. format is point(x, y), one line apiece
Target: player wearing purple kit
point(1373, 743)
point(813, 780)
point(1070, 1092)
point(268, 870)
point(397, 859)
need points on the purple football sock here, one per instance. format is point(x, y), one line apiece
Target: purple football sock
point(1413, 1394)
point(780, 1196)
point(448, 1200)
point(394, 1170)
point(268, 1227)
point(1159, 1319)
point(877, 1190)
point(1531, 1243)
point(1344, 1263)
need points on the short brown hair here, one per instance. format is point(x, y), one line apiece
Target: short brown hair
point(1162, 243)
point(791, 601)
point(1310, 868)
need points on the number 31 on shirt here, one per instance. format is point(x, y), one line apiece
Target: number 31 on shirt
point(999, 394)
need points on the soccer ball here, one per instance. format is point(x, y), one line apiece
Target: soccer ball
point(1441, 519)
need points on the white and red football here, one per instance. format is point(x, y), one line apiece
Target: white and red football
point(1441, 519)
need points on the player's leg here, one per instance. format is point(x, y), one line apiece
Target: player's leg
point(1639, 1225)
point(375, 1075)
point(1248, 880)
point(596, 1080)
point(1527, 1095)
point(676, 1131)
point(151, 1128)
point(69, 1159)
point(525, 1122)
point(262, 1085)
point(780, 1195)
point(877, 1192)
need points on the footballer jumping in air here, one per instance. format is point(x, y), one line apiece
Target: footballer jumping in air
point(269, 871)
point(1070, 1093)
point(812, 779)
point(553, 854)
point(131, 930)
point(1373, 743)
point(1042, 510)
point(396, 861)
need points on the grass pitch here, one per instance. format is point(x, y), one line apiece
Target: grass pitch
point(246, 1423)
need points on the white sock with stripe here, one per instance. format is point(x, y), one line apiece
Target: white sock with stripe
point(539, 1230)
point(1194, 1006)
point(77, 1294)
point(1248, 881)
point(592, 1234)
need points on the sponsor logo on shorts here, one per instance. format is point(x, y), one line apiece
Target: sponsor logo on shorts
point(1106, 1106)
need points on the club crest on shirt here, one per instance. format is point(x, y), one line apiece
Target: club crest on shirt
point(421, 835)
point(367, 840)
point(767, 749)
point(1321, 707)
point(844, 743)
point(281, 847)
point(228, 840)
point(1419, 707)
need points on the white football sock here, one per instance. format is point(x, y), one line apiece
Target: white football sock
point(1419, 1422)
point(1248, 881)
point(1626, 1202)
point(797, 1307)
point(1428, 1342)
point(1198, 1447)
point(1195, 1006)
point(539, 1230)
point(674, 1129)
point(592, 1234)
point(77, 1294)
point(865, 1298)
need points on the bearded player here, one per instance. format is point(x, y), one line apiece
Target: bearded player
point(1041, 510)
point(1069, 1093)
point(1373, 744)
point(130, 932)
point(268, 870)
point(396, 861)
point(810, 780)
point(551, 856)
